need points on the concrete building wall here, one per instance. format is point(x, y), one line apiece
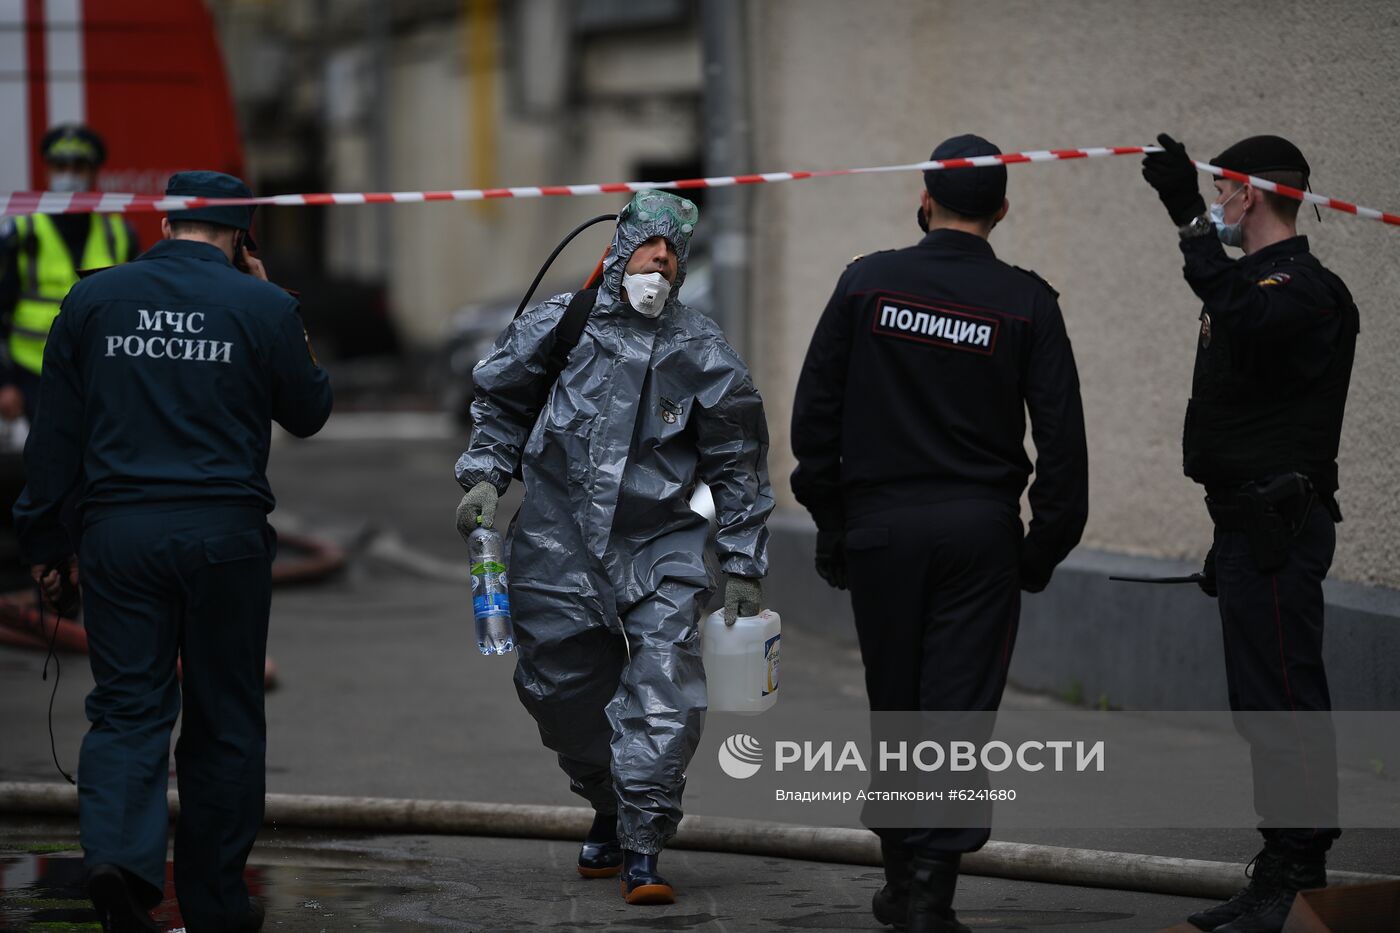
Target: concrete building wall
point(443, 255)
point(446, 254)
point(844, 84)
point(444, 94)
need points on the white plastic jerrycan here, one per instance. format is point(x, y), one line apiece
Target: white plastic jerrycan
point(741, 661)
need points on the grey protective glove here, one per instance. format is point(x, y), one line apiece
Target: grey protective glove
point(743, 596)
point(479, 502)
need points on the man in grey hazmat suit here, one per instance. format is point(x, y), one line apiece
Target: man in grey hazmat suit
point(607, 578)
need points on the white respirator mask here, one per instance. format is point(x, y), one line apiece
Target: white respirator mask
point(647, 293)
point(67, 182)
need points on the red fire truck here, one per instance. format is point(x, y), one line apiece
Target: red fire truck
point(148, 76)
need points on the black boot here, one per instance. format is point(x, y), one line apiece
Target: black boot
point(253, 920)
point(1268, 916)
point(931, 888)
point(601, 853)
point(1263, 873)
point(891, 903)
point(116, 898)
point(640, 882)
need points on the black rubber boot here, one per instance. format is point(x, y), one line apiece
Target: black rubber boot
point(1263, 873)
point(1269, 915)
point(640, 882)
point(931, 888)
point(116, 901)
point(891, 903)
point(253, 920)
point(601, 853)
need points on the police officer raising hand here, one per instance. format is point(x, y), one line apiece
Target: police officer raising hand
point(1273, 363)
point(1173, 175)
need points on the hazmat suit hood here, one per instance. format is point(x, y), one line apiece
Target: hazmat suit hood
point(649, 214)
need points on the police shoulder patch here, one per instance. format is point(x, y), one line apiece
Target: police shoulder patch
point(859, 256)
point(1274, 278)
point(1042, 281)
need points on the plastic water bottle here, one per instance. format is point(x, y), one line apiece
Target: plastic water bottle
point(490, 592)
point(741, 661)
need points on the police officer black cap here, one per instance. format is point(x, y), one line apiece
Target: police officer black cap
point(213, 185)
point(1259, 154)
point(973, 192)
point(73, 143)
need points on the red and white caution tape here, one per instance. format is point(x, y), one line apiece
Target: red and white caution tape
point(1299, 195)
point(50, 202)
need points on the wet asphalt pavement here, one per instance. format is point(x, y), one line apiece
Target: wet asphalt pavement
point(382, 693)
point(326, 882)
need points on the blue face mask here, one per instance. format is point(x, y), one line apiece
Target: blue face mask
point(1229, 234)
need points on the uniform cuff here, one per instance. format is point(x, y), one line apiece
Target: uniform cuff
point(1036, 568)
point(741, 565)
point(829, 516)
point(47, 548)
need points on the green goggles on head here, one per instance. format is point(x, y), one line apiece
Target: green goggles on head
point(647, 206)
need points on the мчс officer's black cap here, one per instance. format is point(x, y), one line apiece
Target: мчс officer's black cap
point(213, 185)
point(974, 192)
point(1259, 154)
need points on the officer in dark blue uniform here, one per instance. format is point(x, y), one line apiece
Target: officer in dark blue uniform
point(161, 379)
point(1273, 363)
point(909, 429)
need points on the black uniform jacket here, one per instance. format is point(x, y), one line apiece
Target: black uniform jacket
point(161, 379)
point(1273, 362)
point(916, 385)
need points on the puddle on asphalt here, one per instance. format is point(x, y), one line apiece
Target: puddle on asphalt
point(45, 892)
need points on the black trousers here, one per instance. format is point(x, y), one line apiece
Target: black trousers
point(1272, 625)
point(937, 600)
point(194, 584)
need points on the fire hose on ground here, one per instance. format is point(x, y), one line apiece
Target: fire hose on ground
point(1016, 861)
point(302, 559)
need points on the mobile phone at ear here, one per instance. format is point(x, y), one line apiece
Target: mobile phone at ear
point(238, 243)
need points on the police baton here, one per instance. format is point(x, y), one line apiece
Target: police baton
point(1190, 578)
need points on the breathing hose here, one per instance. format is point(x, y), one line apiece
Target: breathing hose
point(539, 276)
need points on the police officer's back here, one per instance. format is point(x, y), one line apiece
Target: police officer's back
point(927, 358)
point(918, 377)
point(160, 382)
point(909, 429)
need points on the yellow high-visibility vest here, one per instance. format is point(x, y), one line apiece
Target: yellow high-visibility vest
point(46, 273)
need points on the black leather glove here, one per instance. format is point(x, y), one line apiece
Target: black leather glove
point(831, 558)
point(1173, 175)
point(1207, 585)
point(1035, 575)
